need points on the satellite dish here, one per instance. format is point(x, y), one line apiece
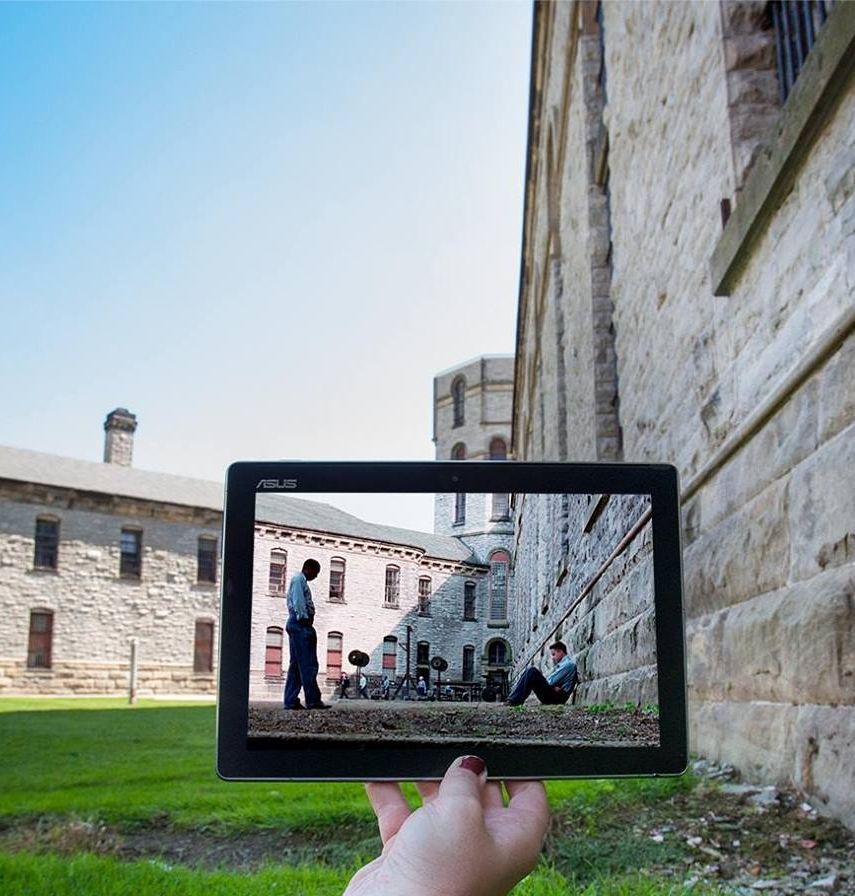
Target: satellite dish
point(439, 664)
point(358, 658)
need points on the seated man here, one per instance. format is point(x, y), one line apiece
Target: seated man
point(557, 688)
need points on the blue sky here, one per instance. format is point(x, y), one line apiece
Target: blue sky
point(260, 227)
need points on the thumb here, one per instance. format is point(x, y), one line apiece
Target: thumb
point(465, 779)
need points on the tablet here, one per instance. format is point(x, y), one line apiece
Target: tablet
point(380, 619)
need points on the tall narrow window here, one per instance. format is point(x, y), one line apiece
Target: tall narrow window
point(423, 660)
point(334, 648)
point(392, 593)
point(500, 509)
point(458, 452)
point(390, 654)
point(498, 449)
point(206, 559)
point(424, 595)
point(278, 571)
point(458, 397)
point(203, 647)
point(469, 601)
point(47, 543)
point(337, 580)
point(130, 546)
point(499, 562)
point(40, 641)
point(468, 663)
point(273, 653)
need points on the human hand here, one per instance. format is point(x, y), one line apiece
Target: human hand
point(462, 841)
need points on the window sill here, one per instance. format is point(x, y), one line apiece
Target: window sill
point(821, 83)
point(336, 600)
point(391, 606)
point(45, 570)
point(498, 623)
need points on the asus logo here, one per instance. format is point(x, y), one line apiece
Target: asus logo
point(277, 483)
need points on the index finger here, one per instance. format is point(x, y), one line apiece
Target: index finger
point(389, 805)
point(528, 801)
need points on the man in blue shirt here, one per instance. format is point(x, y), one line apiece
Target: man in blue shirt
point(556, 688)
point(302, 642)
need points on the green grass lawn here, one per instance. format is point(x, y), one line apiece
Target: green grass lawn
point(151, 767)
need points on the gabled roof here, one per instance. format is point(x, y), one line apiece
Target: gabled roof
point(21, 465)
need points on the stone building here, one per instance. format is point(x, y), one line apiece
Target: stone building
point(686, 296)
point(95, 556)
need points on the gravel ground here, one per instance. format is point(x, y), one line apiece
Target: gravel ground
point(452, 722)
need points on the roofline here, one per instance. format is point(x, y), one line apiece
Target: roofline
point(474, 360)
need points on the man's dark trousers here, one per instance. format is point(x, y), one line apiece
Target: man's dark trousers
point(303, 667)
point(533, 680)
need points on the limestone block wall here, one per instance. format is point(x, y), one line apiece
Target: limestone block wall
point(364, 620)
point(712, 383)
point(95, 611)
point(563, 553)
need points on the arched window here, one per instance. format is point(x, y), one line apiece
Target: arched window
point(458, 452)
point(498, 449)
point(468, 663)
point(469, 601)
point(273, 653)
point(390, 654)
point(203, 646)
point(497, 653)
point(458, 396)
point(47, 543)
point(392, 594)
point(424, 595)
point(278, 571)
point(337, 580)
point(499, 564)
point(334, 650)
point(40, 641)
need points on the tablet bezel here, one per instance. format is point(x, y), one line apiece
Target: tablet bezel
point(242, 758)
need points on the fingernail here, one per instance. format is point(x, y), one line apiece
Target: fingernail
point(474, 764)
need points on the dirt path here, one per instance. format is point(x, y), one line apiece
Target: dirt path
point(458, 722)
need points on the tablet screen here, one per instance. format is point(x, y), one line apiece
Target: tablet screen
point(450, 618)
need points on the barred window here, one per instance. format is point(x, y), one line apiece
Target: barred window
point(424, 595)
point(501, 508)
point(468, 663)
point(47, 543)
point(796, 24)
point(334, 651)
point(392, 594)
point(499, 585)
point(458, 397)
point(337, 580)
point(273, 653)
point(458, 452)
point(469, 601)
point(130, 548)
point(390, 654)
point(203, 646)
point(278, 571)
point(206, 559)
point(40, 640)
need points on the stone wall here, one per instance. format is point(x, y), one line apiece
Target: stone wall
point(95, 611)
point(749, 394)
point(567, 586)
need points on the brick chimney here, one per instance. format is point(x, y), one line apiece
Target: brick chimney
point(120, 426)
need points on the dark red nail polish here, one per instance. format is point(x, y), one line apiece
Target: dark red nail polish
point(474, 764)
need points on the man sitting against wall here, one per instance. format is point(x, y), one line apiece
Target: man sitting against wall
point(556, 688)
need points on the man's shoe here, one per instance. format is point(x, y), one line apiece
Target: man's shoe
point(319, 706)
point(295, 706)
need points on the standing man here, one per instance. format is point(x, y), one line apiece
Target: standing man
point(557, 688)
point(302, 642)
